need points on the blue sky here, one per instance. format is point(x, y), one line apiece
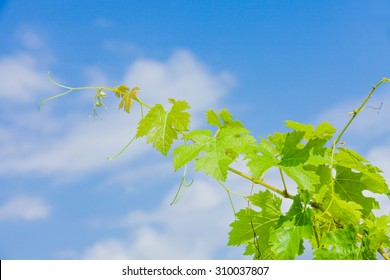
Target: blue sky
point(265, 61)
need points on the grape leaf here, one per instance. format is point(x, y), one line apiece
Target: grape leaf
point(252, 228)
point(185, 153)
point(286, 238)
point(162, 127)
point(235, 138)
point(371, 178)
point(214, 154)
point(306, 128)
point(349, 186)
point(340, 244)
point(227, 119)
point(323, 131)
point(345, 212)
point(127, 96)
point(287, 241)
point(213, 119)
point(377, 230)
point(305, 179)
point(214, 163)
point(312, 152)
point(262, 160)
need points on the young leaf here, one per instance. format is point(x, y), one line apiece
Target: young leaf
point(213, 119)
point(377, 230)
point(162, 127)
point(227, 119)
point(340, 244)
point(345, 212)
point(126, 96)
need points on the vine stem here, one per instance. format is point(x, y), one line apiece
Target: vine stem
point(262, 183)
point(358, 110)
point(354, 113)
point(70, 89)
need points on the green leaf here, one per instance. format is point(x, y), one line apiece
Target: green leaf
point(213, 119)
point(183, 154)
point(214, 163)
point(298, 213)
point(323, 131)
point(287, 241)
point(377, 229)
point(228, 119)
point(262, 160)
point(312, 153)
point(371, 178)
point(252, 228)
point(177, 116)
point(237, 139)
point(213, 155)
point(306, 128)
point(268, 202)
point(162, 127)
point(350, 185)
point(340, 244)
point(305, 179)
point(287, 237)
point(345, 212)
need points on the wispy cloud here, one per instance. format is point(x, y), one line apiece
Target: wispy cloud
point(102, 22)
point(182, 76)
point(121, 47)
point(20, 78)
point(371, 123)
point(195, 228)
point(24, 208)
point(29, 37)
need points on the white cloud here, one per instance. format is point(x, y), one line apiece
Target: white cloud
point(20, 79)
point(29, 37)
point(371, 123)
point(195, 228)
point(96, 76)
point(24, 208)
point(182, 76)
point(121, 47)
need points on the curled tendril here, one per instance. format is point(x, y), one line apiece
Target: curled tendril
point(183, 183)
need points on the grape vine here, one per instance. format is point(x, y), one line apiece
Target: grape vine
point(329, 208)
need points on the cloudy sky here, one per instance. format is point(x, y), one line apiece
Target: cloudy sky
point(265, 61)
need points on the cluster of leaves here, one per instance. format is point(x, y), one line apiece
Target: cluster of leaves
point(330, 207)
